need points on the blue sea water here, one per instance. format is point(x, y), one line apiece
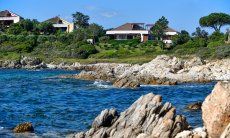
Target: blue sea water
point(58, 107)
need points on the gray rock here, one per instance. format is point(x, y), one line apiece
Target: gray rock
point(147, 117)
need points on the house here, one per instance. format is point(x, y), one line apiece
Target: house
point(61, 24)
point(129, 31)
point(135, 30)
point(7, 18)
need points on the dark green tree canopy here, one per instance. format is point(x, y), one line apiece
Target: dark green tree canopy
point(200, 33)
point(215, 20)
point(181, 38)
point(46, 28)
point(80, 20)
point(159, 27)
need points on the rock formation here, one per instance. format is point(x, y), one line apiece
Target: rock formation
point(216, 110)
point(163, 70)
point(24, 127)
point(194, 106)
point(145, 118)
point(24, 62)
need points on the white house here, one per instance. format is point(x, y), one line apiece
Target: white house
point(133, 30)
point(8, 17)
point(61, 24)
point(129, 31)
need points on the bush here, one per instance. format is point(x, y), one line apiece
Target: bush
point(222, 52)
point(104, 39)
point(216, 36)
point(80, 51)
point(215, 44)
point(3, 38)
point(204, 52)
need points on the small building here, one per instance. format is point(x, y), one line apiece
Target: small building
point(134, 30)
point(61, 24)
point(129, 31)
point(7, 18)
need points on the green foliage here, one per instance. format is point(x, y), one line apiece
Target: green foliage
point(216, 36)
point(215, 20)
point(15, 29)
point(181, 38)
point(159, 27)
point(3, 38)
point(80, 51)
point(95, 31)
point(105, 54)
point(222, 52)
point(204, 52)
point(200, 33)
point(46, 28)
point(104, 39)
point(25, 27)
point(80, 20)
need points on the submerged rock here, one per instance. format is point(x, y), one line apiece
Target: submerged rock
point(194, 106)
point(24, 127)
point(216, 109)
point(147, 117)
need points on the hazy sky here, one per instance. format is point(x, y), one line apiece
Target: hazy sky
point(182, 14)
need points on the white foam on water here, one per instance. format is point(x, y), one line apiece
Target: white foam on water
point(101, 84)
point(154, 85)
point(1, 128)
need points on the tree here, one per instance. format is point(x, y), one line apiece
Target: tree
point(215, 20)
point(96, 31)
point(15, 29)
point(46, 28)
point(159, 28)
point(181, 38)
point(200, 33)
point(80, 20)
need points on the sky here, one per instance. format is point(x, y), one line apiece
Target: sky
point(181, 14)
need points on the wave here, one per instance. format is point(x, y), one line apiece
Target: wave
point(102, 84)
point(1, 128)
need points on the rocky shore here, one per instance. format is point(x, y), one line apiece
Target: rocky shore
point(163, 70)
point(149, 117)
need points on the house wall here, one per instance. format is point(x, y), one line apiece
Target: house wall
point(14, 19)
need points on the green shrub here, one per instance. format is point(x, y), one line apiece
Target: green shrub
point(216, 36)
point(104, 39)
point(204, 52)
point(3, 38)
point(42, 39)
point(215, 44)
point(222, 52)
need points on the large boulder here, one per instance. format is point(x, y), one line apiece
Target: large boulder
point(216, 109)
point(24, 127)
point(147, 117)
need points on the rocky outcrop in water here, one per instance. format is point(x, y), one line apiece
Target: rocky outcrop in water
point(163, 70)
point(24, 127)
point(147, 117)
point(24, 62)
point(216, 110)
point(194, 106)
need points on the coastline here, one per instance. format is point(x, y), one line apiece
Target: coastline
point(163, 70)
